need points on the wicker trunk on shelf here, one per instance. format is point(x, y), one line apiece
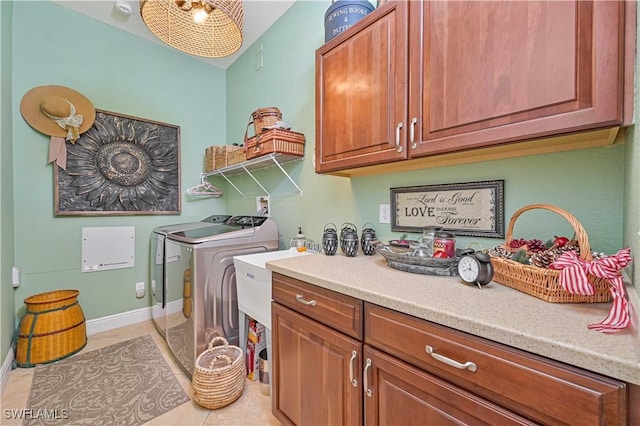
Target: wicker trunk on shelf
point(52, 329)
point(544, 283)
point(275, 141)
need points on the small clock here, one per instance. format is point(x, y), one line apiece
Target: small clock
point(475, 268)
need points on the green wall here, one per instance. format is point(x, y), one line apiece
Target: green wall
point(117, 72)
point(124, 74)
point(588, 183)
point(6, 183)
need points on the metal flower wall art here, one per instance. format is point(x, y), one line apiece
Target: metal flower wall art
point(121, 166)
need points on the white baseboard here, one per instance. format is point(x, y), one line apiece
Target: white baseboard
point(6, 368)
point(123, 319)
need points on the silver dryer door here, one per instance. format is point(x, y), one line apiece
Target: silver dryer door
point(182, 314)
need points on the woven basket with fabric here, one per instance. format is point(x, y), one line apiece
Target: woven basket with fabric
point(262, 118)
point(541, 282)
point(53, 328)
point(218, 375)
point(265, 117)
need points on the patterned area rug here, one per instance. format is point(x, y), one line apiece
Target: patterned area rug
point(128, 383)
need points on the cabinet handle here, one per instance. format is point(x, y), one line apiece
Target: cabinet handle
point(366, 377)
point(352, 361)
point(412, 133)
point(471, 366)
point(300, 299)
point(398, 146)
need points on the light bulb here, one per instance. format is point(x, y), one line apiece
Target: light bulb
point(199, 15)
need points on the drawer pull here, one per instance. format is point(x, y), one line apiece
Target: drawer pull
point(352, 361)
point(471, 366)
point(300, 299)
point(366, 378)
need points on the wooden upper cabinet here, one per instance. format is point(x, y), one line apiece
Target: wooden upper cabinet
point(361, 83)
point(485, 73)
point(448, 82)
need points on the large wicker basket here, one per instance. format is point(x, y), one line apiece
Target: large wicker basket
point(52, 329)
point(275, 141)
point(219, 375)
point(541, 282)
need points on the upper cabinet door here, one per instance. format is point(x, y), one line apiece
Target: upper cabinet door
point(361, 92)
point(485, 72)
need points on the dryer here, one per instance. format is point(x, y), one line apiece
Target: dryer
point(193, 279)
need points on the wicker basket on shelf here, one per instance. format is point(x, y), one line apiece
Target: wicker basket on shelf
point(236, 155)
point(209, 158)
point(275, 141)
point(53, 328)
point(544, 283)
point(222, 159)
point(218, 375)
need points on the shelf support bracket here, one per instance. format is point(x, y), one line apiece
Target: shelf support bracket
point(287, 175)
point(232, 184)
point(255, 180)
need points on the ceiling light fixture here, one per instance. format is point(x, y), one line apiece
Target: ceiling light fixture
point(208, 28)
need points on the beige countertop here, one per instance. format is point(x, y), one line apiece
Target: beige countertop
point(495, 312)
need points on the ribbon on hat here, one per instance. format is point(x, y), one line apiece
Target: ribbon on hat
point(58, 152)
point(70, 123)
point(573, 278)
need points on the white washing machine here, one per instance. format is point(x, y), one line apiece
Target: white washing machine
point(193, 279)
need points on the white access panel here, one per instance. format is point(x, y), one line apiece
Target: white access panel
point(108, 248)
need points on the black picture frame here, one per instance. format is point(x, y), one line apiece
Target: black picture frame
point(122, 165)
point(467, 209)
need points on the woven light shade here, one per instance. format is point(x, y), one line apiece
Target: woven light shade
point(218, 36)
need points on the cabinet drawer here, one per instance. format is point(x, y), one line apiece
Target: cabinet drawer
point(343, 313)
point(543, 390)
point(400, 394)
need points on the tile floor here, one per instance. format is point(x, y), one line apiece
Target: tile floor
point(252, 408)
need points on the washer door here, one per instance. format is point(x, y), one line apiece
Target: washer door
point(221, 297)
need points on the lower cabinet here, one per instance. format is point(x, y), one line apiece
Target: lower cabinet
point(311, 380)
point(338, 360)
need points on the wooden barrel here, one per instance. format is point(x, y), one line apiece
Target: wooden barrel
point(52, 329)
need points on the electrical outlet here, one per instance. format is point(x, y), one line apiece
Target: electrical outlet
point(140, 290)
point(385, 213)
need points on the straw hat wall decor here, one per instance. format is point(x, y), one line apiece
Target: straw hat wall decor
point(59, 112)
point(207, 28)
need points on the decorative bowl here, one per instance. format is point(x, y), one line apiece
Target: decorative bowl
point(406, 260)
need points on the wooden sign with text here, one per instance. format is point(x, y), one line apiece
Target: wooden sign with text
point(472, 208)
